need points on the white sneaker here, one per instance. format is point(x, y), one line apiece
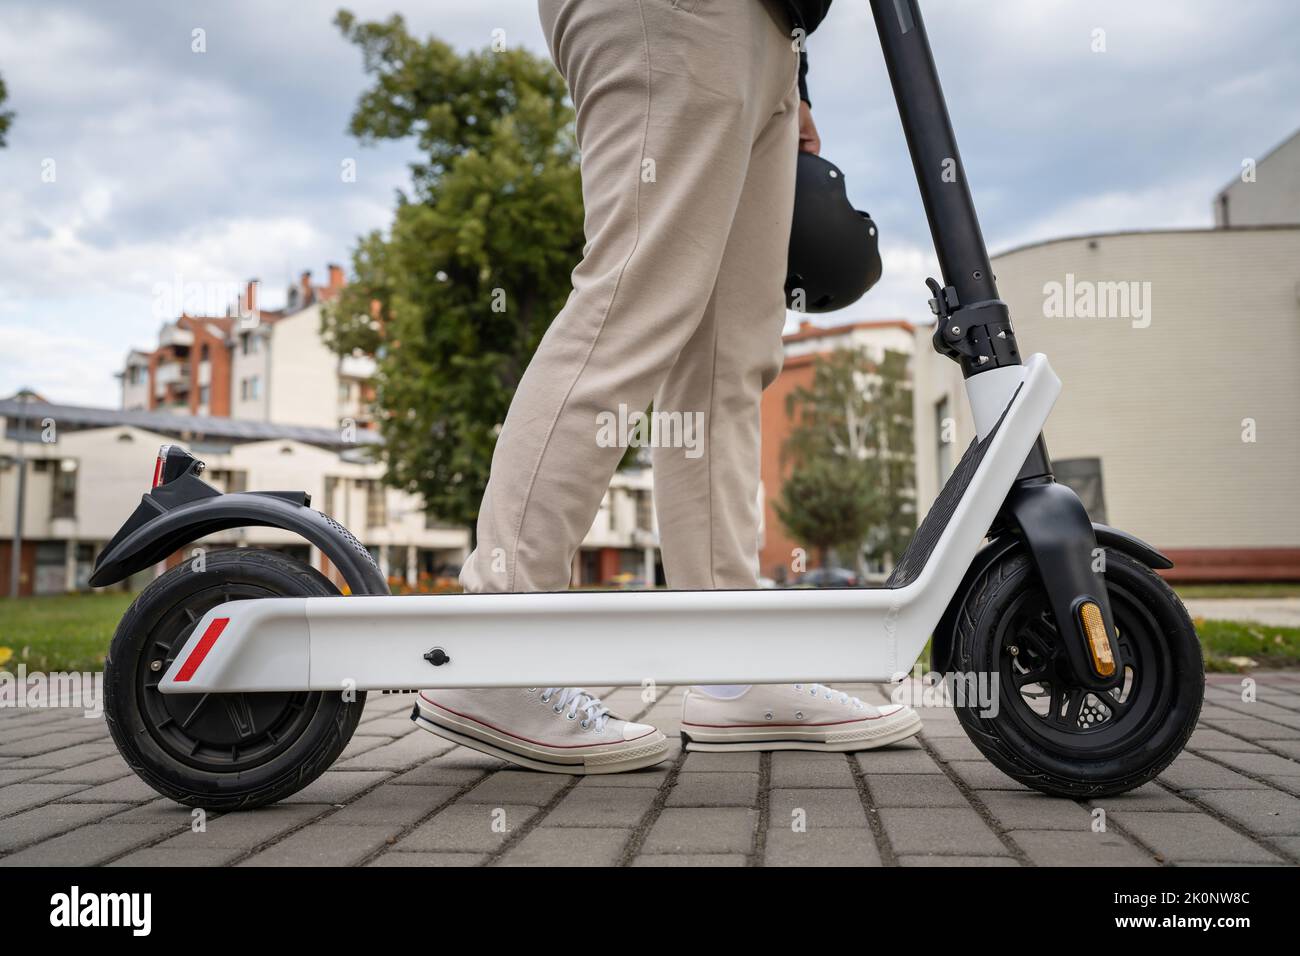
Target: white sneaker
point(556, 729)
point(792, 717)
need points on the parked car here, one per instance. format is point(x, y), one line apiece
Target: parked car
point(828, 578)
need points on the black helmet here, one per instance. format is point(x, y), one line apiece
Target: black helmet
point(834, 249)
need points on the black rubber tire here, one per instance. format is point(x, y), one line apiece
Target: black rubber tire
point(318, 724)
point(1135, 752)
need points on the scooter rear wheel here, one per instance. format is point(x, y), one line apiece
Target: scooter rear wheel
point(218, 751)
point(1048, 732)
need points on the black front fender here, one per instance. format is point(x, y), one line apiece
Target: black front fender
point(1107, 537)
point(159, 527)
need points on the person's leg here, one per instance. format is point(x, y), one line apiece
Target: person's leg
point(669, 103)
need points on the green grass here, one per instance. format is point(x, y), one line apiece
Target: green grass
point(64, 633)
point(71, 633)
point(1263, 589)
point(1265, 644)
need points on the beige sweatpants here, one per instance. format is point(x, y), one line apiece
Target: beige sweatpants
point(687, 121)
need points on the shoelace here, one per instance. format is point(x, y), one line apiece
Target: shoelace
point(576, 699)
point(829, 693)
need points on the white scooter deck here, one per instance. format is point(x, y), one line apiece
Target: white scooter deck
point(629, 637)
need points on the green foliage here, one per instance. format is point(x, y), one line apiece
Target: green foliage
point(853, 436)
point(454, 299)
point(6, 117)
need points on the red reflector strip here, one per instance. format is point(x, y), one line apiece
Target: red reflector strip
point(201, 648)
point(157, 472)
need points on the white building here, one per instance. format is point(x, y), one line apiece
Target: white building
point(1179, 351)
point(87, 468)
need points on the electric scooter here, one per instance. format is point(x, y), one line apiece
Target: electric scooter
point(235, 684)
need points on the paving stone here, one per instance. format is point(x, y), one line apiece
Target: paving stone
point(794, 769)
point(951, 861)
point(821, 847)
point(49, 745)
point(691, 859)
point(527, 787)
point(589, 846)
point(397, 858)
point(741, 762)
point(646, 777)
point(955, 748)
point(103, 770)
point(1030, 810)
point(1206, 738)
point(400, 754)
point(1079, 848)
point(720, 789)
point(337, 786)
point(50, 820)
point(248, 829)
point(321, 845)
point(435, 774)
point(360, 744)
point(982, 775)
point(913, 790)
point(1260, 811)
point(1260, 764)
point(9, 775)
point(1189, 771)
point(168, 856)
point(595, 807)
point(130, 789)
point(391, 805)
point(468, 827)
point(20, 796)
point(159, 810)
point(1149, 796)
point(959, 832)
point(822, 809)
point(903, 758)
point(1287, 748)
point(462, 758)
point(702, 830)
point(88, 846)
point(1183, 838)
point(71, 756)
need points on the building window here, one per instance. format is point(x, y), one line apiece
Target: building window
point(943, 439)
point(250, 389)
point(203, 353)
point(63, 498)
point(376, 505)
point(205, 394)
point(229, 481)
point(645, 511)
point(1083, 477)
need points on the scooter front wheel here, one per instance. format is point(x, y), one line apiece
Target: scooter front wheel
point(1046, 731)
point(218, 751)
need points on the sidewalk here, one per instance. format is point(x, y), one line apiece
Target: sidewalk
point(1275, 612)
point(401, 797)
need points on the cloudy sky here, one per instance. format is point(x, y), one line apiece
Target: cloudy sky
point(171, 166)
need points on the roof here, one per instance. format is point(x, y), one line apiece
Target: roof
point(191, 426)
point(1206, 230)
point(809, 331)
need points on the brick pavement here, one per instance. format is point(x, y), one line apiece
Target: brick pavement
point(401, 797)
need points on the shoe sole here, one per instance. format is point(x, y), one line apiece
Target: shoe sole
point(637, 758)
point(893, 735)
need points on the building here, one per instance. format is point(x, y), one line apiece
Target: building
point(1178, 350)
point(802, 349)
point(254, 364)
point(86, 469)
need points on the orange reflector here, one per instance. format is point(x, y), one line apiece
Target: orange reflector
point(1095, 628)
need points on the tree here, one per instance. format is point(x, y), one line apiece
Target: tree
point(827, 503)
point(857, 416)
point(6, 117)
point(453, 300)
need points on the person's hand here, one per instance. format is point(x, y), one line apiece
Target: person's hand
point(809, 141)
